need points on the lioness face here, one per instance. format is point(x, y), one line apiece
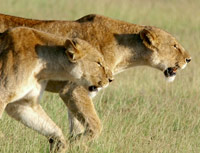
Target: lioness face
point(166, 53)
point(95, 74)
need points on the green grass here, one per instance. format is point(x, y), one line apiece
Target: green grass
point(140, 112)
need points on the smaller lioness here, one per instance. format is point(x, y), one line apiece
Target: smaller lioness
point(28, 59)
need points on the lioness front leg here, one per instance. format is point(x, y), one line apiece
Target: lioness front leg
point(75, 126)
point(81, 106)
point(33, 116)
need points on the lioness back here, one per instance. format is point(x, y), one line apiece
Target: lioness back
point(119, 42)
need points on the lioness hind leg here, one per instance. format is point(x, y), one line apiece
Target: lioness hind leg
point(34, 117)
point(2, 108)
point(81, 106)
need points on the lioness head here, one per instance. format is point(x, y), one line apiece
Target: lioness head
point(95, 73)
point(166, 53)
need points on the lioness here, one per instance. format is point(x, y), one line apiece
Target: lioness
point(29, 58)
point(123, 45)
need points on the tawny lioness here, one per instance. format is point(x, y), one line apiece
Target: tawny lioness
point(123, 45)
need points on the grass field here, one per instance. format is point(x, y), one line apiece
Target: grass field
point(140, 112)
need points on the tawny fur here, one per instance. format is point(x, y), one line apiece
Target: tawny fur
point(29, 58)
point(123, 45)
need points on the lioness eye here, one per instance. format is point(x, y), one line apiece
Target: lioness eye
point(175, 46)
point(99, 63)
point(177, 65)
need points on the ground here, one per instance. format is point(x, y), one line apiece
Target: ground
point(140, 111)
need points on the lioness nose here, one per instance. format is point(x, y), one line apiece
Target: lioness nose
point(110, 79)
point(188, 60)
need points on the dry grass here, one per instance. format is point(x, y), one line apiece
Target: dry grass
point(140, 111)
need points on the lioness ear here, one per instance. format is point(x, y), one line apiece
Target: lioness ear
point(148, 37)
point(72, 51)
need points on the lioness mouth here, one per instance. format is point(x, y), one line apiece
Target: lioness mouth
point(92, 88)
point(169, 72)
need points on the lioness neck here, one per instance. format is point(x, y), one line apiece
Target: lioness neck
point(55, 64)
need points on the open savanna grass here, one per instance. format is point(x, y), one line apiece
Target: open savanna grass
point(140, 112)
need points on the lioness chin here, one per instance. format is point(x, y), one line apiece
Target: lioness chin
point(28, 59)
